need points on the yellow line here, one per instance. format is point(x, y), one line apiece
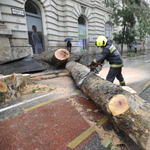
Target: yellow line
point(31, 108)
point(140, 66)
point(102, 121)
point(81, 137)
point(147, 84)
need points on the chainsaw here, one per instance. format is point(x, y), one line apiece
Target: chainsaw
point(94, 69)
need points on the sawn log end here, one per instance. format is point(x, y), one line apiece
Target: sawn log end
point(118, 105)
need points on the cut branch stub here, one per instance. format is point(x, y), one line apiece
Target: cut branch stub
point(118, 105)
point(3, 87)
point(13, 77)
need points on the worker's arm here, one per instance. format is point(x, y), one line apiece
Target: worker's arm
point(101, 57)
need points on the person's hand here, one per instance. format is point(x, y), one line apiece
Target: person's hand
point(89, 65)
point(93, 63)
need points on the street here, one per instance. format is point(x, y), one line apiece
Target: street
point(64, 118)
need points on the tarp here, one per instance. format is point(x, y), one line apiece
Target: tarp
point(21, 65)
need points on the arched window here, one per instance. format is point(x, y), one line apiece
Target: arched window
point(34, 25)
point(81, 21)
point(82, 33)
point(108, 31)
point(31, 7)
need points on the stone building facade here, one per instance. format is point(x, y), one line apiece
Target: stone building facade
point(55, 20)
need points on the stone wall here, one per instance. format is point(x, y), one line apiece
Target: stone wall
point(18, 41)
point(5, 50)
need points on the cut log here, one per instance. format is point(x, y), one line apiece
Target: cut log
point(3, 87)
point(125, 109)
point(11, 85)
point(49, 57)
point(58, 58)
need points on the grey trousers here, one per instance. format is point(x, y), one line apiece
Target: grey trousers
point(115, 72)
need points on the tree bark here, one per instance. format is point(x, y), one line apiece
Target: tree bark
point(11, 85)
point(58, 58)
point(122, 105)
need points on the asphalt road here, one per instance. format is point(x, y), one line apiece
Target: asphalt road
point(136, 72)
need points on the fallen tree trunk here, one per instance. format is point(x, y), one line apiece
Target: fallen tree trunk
point(58, 58)
point(125, 109)
point(11, 85)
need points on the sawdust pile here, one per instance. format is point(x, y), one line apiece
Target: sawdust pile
point(36, 88)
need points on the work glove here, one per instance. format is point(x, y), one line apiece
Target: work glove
point(92, 63)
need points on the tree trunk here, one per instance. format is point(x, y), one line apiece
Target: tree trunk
point(58, 58)
point(122, 105)
point(11, 85)
point(121, 49)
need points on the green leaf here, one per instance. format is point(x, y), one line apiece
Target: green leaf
point(80, 105)
point(114, 148)
point(44, 88)
point(50, 89)
point(37, 88)
point(96, 85)
point(109, 141)
point(89, 110)
point(121, 142)
point(34, 83)
point(91, 117)
point(33, 91)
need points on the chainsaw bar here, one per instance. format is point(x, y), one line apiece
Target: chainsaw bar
point(96, 71)
point(80, 82)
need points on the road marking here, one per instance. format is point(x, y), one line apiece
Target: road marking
point(144, 64)
point(12, 106)
point(102, 121)
point(140, 66)
point(39, 105)
point(81, 137)
point(36, 106)
point(147, 84)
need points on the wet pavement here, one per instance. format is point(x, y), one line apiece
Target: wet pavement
point(61, 119)
point(50, 126)
point(48, 120)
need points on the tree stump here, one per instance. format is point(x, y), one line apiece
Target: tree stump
point(125, 109)
point(11, 85)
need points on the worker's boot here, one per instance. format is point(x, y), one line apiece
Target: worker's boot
point(122, 83)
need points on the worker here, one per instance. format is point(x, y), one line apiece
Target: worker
point(111, 54)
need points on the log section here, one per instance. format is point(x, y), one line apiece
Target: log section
point(125, 109)
point(58, 58)
point(11, 85)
